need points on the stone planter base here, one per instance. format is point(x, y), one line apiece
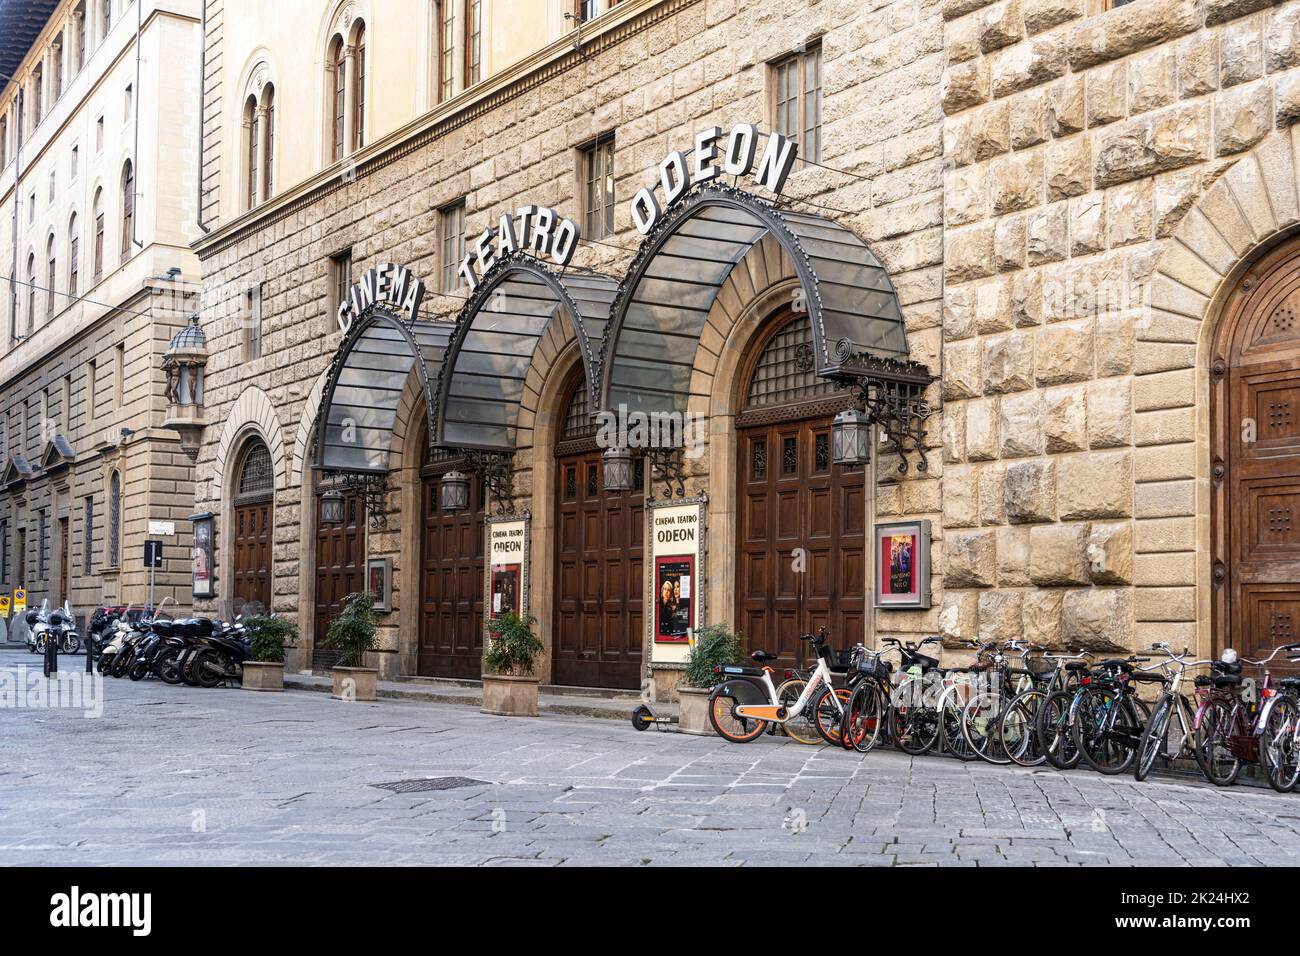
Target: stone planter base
point(355, 683)
point(263, 676)
point(508, 696)
point(695, 711)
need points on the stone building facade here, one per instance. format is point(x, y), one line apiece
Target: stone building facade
point(1064, 197)
point(98, 197)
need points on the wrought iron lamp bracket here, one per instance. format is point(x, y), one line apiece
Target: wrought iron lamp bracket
point(497, 470)
point(371, 487)
point(667, 465)
point(900, 412)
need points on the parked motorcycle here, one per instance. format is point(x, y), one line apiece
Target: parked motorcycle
point(58, 625)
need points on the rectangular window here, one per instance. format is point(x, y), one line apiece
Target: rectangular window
point(453, 244)
point(587, 10)
point(473, 42)
point(359, 111)
point(41, 530)
point(340, 279)
point(598, 188)
point(340, 100)
point(31, 208)
point(119, 375)
point(22, 558)
point(797, 100)
point(127, 102)
point(4, 141)
point(65, 405)
point(90, 392)
point(56, 50)
point(88, 543)
point(99, 135)
point(252, 319)
point(38, 96)
point(447, 50)
point(99, 245)
point(74, 264)
point(4, 553)
point(51, 280)
point(79, 36)
point(76, 156)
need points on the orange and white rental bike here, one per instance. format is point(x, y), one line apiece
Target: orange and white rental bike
point(745, 703)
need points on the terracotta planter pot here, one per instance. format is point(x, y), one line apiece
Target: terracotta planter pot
point(355, 683)
point(695, 710)
point(259, 675)
point(508, 696)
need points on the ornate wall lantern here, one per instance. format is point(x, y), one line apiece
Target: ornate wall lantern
point(620, 472)
point(331, 508)
point(454, 492)
point(851, 438)
point(184, 362)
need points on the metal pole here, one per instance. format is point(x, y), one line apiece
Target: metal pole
point(152, 566)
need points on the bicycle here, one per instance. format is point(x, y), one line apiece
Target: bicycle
point(745, 703)
point(1170, 704)
point(1017, 727)
point(981, 718)
point(866, 709)
point(1228, 724)
point(1280, 736)
point(1107, 726)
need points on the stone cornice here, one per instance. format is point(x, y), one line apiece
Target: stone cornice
point(609, 30)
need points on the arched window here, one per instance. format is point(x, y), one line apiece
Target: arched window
point(31, 293)
point(99, 235)
point(268, 155)
point(257, 476)
point(114, 519)
point(785, 371)
point(338, 77)
point(51, 277)
point(128, 210)
point(359, 89)
point(250, 152)
point(74, 256)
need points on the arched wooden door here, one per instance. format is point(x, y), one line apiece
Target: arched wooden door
point(451, 580)
point(340, 566)
point(253, 529)
point(1255, 467)
point(801, 521)
point(599, 625)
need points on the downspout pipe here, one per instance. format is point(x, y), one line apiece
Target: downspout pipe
point(203, 89)
point(19, 119)
point(135, 148)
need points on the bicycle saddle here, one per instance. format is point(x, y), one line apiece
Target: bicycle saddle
point(1291, 683)
point(758, 657)
point(1076, 665)
point(1223, 667)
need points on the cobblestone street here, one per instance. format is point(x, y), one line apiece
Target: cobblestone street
point(176, 776)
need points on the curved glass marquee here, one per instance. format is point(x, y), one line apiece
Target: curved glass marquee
point(380, 352)
point(649, 349)
point(481, 384)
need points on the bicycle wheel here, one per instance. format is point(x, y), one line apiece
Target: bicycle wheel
point(1016, 729)
point(865, 716)
point(1216, 759)
point(1106, 730)
point(1279, 745)
point(951, 739)
point(914, 726)
point(1055, 736)
point(979, 725)
point(802, 728)
point(1154, 737)
point(828, 716)
point(722, 703)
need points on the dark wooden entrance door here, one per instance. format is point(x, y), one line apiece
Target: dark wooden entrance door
point(451, 586)
point(1255, 380)
point(340, 560)
point(252, 532)
point(64, 562)
point(599, 627)
point(802, 543)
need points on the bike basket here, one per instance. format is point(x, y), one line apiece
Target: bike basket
point(843, 659)
point(1039, 666)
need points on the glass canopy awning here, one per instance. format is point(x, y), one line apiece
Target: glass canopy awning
point(482, 382)
point(648, 353)
point(363, 391)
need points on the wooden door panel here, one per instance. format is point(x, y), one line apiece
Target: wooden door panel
point(451, 586)
point(340, 561)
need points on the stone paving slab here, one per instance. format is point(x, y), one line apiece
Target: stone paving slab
point(190, 777)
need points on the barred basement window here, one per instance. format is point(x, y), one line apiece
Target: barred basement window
point(786, 371)
point(257, 476)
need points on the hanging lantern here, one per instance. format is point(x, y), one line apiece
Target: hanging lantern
point(851, 438)
point(331, 508)
point(454, 491)
point(619, 471)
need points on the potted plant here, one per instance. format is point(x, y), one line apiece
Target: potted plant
point(353, 633)
point(713, 646)
point(267, 635)
point(509, 687)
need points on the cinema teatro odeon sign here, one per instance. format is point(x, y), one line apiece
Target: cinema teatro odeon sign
point(537, 229)
point(386, 284)
point(714, 156)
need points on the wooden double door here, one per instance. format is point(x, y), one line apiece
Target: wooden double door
point(340, 561)
point(801, 539)
point(1255, 467)
point(599, 563)
point(451, 585)
point(251, 551)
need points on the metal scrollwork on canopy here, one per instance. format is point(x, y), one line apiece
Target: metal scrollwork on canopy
point(497, 470)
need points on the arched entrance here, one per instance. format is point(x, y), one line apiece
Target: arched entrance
point(251, 532)
point(1255, 463)
point(451, 576)
point(801, 539)
point(599, 535)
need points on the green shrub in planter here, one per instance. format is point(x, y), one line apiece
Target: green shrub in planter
point(353, 631)
point(514, 646)
point(267, 635)
point(714, 646)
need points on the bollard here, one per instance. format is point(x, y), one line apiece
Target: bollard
point(51, 653)
point(91, 652)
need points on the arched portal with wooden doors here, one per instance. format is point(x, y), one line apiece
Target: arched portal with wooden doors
point(450, 574)
point(252, 529)
point(801, 522)
point(598, 630)
point(340, 567)
point(1255, 457)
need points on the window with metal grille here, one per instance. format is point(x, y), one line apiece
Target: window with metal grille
point(4, 552)
point(88, 546)
point(577, 417)
point(797, 100)
point(256, 477)
point(786, 371)
point(42, 531)
point(114, 519)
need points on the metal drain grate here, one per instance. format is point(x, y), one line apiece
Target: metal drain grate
point(430, 783)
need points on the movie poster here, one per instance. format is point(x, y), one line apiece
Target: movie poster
point(202, 572)
point(673, 586)
point(505, 589)
point(903, 565)
point(896, 559)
